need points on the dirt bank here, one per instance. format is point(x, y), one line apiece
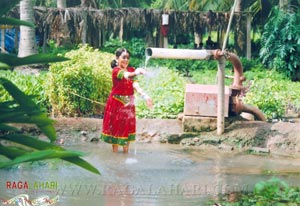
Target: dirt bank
point(276, 138)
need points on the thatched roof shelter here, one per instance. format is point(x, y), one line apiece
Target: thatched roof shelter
point(94, 26)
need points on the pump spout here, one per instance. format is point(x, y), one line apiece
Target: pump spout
point(259, 115)
point(237, 67)
point(165, 53)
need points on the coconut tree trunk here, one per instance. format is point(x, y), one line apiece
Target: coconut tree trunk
point(27, 44)
point(61, 4)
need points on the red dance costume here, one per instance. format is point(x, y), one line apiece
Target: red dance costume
point(119, 122)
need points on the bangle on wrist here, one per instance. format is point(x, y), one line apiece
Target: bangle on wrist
point(137, 72)
point(126, 75)
point(145, 97)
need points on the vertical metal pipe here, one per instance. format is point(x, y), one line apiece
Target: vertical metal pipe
point(249, 18)
point(221, 81)
point(221, 96)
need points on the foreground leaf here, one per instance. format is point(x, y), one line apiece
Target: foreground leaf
point(13, 60)
point(42, 145)
point(31, 112)
point(16, 22)
point(40, 155)
point(4, 127)
point(4, 66)
point(12, 152)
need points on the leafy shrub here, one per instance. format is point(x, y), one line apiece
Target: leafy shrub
point(268, 193)
point(273, 94)
point(166, 88)
point(80, 85)
point(281, 43)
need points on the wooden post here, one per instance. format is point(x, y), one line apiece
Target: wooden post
point(221, 96)
point(83, 25)
point(248, 36)
point(166, 45)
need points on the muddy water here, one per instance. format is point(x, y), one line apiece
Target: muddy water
point(151, 174)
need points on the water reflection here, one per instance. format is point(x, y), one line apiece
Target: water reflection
point(151, 174)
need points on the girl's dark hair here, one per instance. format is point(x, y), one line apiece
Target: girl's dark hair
point(113, 63)
point(118, 53)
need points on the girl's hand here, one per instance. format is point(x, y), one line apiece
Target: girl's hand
point(140, 71)
point(149, 103)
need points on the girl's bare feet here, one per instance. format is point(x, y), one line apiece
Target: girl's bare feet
point(126, 148)
point(115, 148)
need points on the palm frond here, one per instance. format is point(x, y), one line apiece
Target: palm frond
point(13, 60)
point(23, 110)
point(15, 22)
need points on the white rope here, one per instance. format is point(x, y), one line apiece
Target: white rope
point(100, 103)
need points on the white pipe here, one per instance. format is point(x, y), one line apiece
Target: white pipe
point(165, 53)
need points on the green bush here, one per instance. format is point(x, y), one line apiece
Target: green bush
point(273, 192)
point(166, 88)
point(281, 43)
point(82, 84)
point(273, 94)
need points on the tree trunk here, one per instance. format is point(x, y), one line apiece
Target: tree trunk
point(84, 27)
point(61, 4)
point(27, 44)
point(240, 36)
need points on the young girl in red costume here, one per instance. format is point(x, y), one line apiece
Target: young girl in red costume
point(119, 122)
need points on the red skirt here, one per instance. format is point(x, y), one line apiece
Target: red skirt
point(119, 122)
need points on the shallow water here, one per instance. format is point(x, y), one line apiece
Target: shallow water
point(151, 174)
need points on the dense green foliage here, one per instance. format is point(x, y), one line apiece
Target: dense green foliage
point(280, 43)
point(74, 89)
point(273, 192)
point(135, 46)
point(80, 85)
point(166, 88)
point(273, 94)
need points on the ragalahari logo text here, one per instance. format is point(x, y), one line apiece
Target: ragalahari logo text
point(23, 200)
